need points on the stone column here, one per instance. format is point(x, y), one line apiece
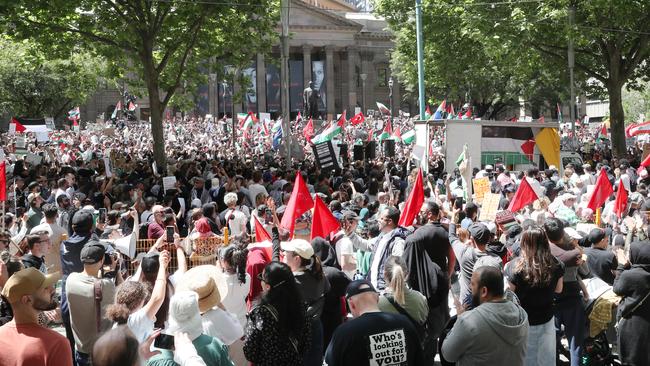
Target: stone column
point(329, 64)
point(261, 83)
point(353, 56)
point(306, 64)
point(369, 89)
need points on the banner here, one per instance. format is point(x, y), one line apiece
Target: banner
point(318, 77)
point(272, 88)
point(325, 156)
point(296, 85)
point(489, 207)
point(250, 97)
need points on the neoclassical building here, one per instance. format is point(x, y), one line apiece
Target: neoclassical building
point(345, 53)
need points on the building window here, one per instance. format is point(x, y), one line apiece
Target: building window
point(382, 77)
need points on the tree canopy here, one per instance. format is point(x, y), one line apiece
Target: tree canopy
point(157, 45)
point(32, 84)
point(509, 49)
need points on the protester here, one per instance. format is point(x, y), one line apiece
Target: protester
point(279, 330)
point(372, 337)
point(494, 332)
point(23, 340)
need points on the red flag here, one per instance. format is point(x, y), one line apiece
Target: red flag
point(299, 203)
point(621, 200)
point(413, 203)
point(260, 232)
point(357, 119)
point(308, 131)
point(323, 222)
point(525, 195)
point(342, 119)
point(603, 130)
point(298, 117)
point(19, 126)
point(528, 148)
point(3, 182)
point(602, 191)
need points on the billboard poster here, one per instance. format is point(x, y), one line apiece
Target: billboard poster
point(318, 77)
point(272, 88)
point(250, 83)
point(296, 86)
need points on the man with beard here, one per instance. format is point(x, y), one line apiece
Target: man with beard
point(64, 207)
point(23, 340)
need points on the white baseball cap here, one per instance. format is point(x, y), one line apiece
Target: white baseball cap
point(299, 246)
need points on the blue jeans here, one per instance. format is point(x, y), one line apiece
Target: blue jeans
point(540, 348)
point(82, 359)
point(571, 313)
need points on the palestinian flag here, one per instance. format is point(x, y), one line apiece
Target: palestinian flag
point(330, 132)
point(513, 144)
point(602, 132)
point(461, 158)
point(408, 137)
point(382, 108)
point(387, 132)
point(246, 120)
point(29, 124)
point(451, 114)
point(132, 106)
point(397, 135)
point(73, 114)
point(441, 108)
point(118, 107)
point(427, 114)
point(637, 129)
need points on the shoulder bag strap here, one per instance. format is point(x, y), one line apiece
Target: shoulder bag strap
point(402, 311)
point(98, 304)
point(628, 313)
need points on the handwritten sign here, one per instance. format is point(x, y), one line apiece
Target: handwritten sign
point(20, 141)
point(489, 207)
point(481, 187)
point(169, 183)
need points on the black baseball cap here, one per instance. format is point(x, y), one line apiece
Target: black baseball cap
point(596, 235)
point(93, 252)
point(358, 287)
point(479, 232)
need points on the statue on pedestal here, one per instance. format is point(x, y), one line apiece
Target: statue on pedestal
point(310, 98)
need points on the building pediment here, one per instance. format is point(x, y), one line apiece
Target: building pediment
point(306, 16)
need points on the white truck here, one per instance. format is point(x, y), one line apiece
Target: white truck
point(499, 142)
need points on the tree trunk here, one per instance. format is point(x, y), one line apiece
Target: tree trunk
point(617, 119)
point(156, 108)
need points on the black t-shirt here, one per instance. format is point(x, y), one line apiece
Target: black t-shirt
point(538, 300)
point(435, 241)
point(375, 339)
point(601, 263)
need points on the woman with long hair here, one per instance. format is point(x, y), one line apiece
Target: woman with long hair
point(399, 295)
point(535, 277)
point(232, 260)
point(278, 330)
point(130, 307)
point(312, 284)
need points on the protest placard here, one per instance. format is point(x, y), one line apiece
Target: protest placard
point(481, 187)
point(20, 141)
point(169, 183)
point(489, 207)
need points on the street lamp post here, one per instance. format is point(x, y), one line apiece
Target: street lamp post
point(363, 91)
point(232, 108)
point(390, 96)
point(214, 92)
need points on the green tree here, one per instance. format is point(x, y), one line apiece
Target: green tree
point(463, 62)
point(33, 85)
point(636, 103)
point(159, 45)
point(612, 42)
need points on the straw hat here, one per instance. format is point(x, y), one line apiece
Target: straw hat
point(208, 282)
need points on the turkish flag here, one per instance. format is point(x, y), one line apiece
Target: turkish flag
point(357, 119)
point(260, 232)
point(524, 196)
point(528, 148)
point(621, 200)
point(323, 222)
point(602, 191)
point(413, 203)
point(299, 203)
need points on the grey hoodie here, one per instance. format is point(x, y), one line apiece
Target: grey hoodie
point(495, 333)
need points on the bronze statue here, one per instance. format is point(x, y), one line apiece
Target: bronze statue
point(310, 98)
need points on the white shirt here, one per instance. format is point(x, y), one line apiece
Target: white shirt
point(222, 325)
point(398, 250)
point(140, 324)
point(235, 299)
point(343, 247)
point(236, 224)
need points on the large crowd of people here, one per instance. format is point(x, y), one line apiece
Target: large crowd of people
point(223, 280)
